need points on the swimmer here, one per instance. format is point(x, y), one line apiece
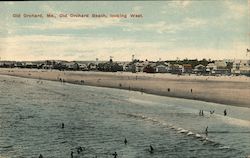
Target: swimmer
point(115, 155)
point(125, 141)
point(151, 150)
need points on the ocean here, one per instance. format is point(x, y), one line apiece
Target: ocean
point(99, 119)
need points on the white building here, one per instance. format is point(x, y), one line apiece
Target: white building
point(161, 69)
point(241, 67)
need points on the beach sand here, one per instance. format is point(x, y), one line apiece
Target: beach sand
point(229, 90)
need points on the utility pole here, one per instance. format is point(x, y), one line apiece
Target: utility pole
point(247, 52)
point(111, 58)
point(133, 57)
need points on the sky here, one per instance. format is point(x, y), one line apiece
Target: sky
point(168, 30)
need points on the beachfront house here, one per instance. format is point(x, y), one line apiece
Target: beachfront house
point(72, 66)
point(48, 64)
point(19, 65)
point(30, 65)
point(210, 67)
point(200, 69)
point(92, 66)
point(130, 67)
point(241, 67)
point(82, 67)
point(139, 66)
point(187, 68)
point(217, 68)
point(161, 69)
point(221, 67)
point(176, 69)
point(7, 64)
point(149, 69)
point(125, 65)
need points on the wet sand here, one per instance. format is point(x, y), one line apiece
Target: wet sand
point(224, 89)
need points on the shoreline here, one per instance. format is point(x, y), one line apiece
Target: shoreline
point(224, 90)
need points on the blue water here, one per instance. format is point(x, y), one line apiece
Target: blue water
point(99, 119)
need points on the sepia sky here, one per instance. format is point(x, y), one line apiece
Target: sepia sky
point(168, 29)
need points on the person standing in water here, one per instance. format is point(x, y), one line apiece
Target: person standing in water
point(225, 112)
point(125, 141)
point(62, 125)
point(40, 156)
point(206, 131)
point(151, 150)
point(115, 155)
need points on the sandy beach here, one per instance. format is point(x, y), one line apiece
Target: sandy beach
point(229, 90)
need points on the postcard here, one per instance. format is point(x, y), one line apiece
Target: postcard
point(125, 79)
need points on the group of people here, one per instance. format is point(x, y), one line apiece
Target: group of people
point(211, 112)
point(78, 149)
point(151, 149)
point(201, 113)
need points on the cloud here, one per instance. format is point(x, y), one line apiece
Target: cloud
point(137, 9)
point(164, 27)
point(235, 10)
point(71, 48)
point(42, 47)
point(183, 4)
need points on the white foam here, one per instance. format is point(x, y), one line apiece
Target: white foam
point(190, 133)
point(183, 131)
point(179, 129)
point(224, 147)
point(198, 136)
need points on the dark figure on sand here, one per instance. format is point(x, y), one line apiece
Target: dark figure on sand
point(225, 112)
point(151, 150)
point(125, 141)
point(40, 156)
point(115, 155)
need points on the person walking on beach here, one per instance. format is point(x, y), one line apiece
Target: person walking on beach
point(225, 112)
point(125, 141)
